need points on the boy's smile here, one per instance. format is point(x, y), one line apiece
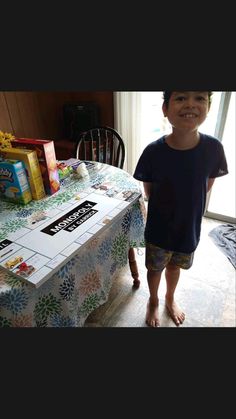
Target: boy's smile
point(189, 115)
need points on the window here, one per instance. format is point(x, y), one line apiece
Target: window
point(221, 202)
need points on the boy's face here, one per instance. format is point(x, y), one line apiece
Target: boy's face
point(187, 110)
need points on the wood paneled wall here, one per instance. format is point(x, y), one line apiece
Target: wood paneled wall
point(40, 114)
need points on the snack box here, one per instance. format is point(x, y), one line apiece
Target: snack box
point(64, 171)
point(14, 185)
point(30, 159)
point(47, 160)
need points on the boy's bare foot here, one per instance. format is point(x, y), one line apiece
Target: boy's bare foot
point(152, 319)
point(175, 312)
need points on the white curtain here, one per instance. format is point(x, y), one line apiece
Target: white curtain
point(127, 121)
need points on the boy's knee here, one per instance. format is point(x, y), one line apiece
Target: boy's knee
point(171, 267)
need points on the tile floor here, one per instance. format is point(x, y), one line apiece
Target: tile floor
point(206, 292)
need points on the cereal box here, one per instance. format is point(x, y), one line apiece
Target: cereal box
point(14, 185)
point(47, 160)
point(30, 159)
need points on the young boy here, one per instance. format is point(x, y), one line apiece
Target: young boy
point(177, 171)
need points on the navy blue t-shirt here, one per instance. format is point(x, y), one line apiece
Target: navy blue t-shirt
point(179, 186)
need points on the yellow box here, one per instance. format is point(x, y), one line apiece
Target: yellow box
point(33, 171)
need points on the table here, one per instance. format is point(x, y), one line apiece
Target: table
point(83, 283)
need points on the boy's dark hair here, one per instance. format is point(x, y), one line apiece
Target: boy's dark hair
point(167, 95)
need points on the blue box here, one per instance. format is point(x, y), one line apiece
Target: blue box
point(14, 185)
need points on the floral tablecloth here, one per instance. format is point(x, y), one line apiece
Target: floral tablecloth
point(83, 284)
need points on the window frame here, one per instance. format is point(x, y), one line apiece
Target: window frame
point(219, 132)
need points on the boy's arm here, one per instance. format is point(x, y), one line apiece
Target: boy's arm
point(147, 189)
point(210, 183)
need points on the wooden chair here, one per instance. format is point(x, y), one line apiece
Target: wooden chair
point(104, 144)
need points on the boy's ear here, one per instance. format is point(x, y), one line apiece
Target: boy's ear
point(164, 109)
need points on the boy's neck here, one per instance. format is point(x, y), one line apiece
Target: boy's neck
point(183, 141)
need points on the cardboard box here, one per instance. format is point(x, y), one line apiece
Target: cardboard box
point(14, 185)
point(47, 160)
point(30, 159)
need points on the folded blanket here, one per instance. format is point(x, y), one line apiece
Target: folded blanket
point(224, 237)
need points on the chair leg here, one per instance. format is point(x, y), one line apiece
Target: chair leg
point(133, 268)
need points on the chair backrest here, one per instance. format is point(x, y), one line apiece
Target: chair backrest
point(101, 144)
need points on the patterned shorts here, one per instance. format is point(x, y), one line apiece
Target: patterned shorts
point(157, 258)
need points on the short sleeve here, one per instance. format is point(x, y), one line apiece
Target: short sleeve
point(221, 167)
point(143, 170)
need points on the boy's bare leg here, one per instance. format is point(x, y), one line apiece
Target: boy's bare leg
point(152, 318)
point(172, 274)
